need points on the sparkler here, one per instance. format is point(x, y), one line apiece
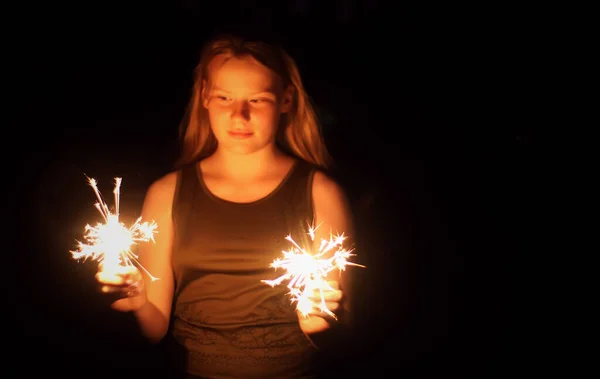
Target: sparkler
point(110, 242)
point(307, 271)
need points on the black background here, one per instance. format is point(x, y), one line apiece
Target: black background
point(414, 102)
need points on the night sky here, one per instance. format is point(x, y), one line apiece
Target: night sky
point(408, 98)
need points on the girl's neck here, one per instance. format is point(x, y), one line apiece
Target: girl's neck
point(246, 167)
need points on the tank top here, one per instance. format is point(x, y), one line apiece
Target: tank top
point(228, 323)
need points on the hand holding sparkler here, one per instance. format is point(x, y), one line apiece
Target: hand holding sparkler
point(110, 244)
point(321, 307)
point(126, 290)
point(307, 275)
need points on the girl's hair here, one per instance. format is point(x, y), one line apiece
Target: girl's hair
point(299, 133)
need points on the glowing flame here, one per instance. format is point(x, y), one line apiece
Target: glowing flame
point(110, 242)
point(307, 272)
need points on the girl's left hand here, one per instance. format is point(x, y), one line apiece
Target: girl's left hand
point(318, 320)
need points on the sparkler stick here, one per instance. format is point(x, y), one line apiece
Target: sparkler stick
point(307, 271)
point(110, 243)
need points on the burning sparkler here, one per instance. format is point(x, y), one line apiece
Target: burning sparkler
point(110, 242)
point(307, 271)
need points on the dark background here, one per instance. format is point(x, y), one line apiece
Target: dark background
point(415, 105)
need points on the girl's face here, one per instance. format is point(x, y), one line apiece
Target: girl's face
point(245, 101)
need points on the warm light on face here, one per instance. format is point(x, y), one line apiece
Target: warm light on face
point(244, 102)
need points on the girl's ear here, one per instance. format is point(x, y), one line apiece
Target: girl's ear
point(287, 99)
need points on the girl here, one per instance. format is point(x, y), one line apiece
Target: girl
point(251, 171)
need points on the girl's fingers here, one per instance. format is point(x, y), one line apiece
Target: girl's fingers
point(327, 295)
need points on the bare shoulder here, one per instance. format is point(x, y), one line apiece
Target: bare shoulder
point(165, 183)
point(161, 191)
point(326, 189)
point(331, 205)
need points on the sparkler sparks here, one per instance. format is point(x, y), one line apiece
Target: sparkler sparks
point(307, 271)
point(110, 243)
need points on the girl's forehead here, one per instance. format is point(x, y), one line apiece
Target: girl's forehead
point(245, 72)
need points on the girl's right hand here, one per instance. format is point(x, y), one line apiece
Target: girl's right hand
point(126, 291)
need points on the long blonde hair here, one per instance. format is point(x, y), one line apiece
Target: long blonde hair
point(299, 133)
